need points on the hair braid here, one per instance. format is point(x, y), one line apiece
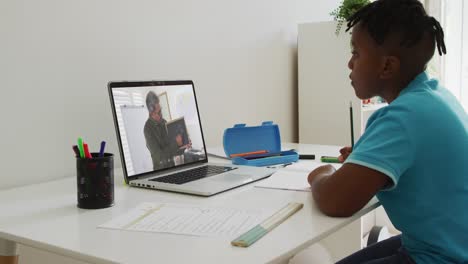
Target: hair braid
point(406, 17)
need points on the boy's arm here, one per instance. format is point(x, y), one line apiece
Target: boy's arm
point(345, 191)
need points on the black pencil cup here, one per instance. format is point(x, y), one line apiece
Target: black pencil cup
point(95, 181)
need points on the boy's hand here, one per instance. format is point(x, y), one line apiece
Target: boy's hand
point(344, 153)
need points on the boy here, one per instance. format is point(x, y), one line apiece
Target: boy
point(414, 152)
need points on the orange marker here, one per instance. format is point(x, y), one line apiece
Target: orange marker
point(249, 153)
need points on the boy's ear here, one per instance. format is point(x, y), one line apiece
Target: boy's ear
point(391, 66)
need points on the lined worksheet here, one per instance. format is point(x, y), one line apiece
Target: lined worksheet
point(187, 219)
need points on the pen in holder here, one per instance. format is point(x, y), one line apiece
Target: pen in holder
point(95, 181)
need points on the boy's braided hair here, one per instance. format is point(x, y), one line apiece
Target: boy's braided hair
point(406, 17)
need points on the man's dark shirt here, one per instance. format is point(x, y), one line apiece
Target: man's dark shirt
point(158, 143)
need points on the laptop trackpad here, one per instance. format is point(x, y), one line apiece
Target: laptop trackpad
point(232, 177)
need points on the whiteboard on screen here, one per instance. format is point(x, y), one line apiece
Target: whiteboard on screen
point(134, 119)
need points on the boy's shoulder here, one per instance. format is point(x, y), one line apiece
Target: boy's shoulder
point(419, 98)
point(423, 108)
point(410, 111)
point(395, 110)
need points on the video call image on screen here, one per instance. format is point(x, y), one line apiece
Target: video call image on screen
point(159, 127)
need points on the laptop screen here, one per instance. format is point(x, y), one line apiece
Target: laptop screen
point(158, 125)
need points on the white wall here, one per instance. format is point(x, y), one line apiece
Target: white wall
point(325, 95)
point(56, 57)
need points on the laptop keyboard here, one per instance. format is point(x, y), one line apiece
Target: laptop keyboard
point(193, 174)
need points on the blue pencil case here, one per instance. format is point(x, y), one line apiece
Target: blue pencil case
point(262, 142)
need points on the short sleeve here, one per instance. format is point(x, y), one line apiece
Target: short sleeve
point(385, 146)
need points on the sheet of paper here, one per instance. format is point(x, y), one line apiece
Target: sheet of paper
point(187, 220)
point(287, 180)
point(292, 177)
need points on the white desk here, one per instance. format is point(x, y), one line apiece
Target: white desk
point(45, 216)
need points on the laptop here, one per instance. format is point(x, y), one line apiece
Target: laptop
point(161, 141)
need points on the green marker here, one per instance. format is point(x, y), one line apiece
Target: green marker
point(81, 147)
point(329, 159)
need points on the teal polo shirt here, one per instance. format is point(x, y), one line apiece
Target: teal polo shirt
point(420, 141)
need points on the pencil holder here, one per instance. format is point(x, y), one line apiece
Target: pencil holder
point(95, 181)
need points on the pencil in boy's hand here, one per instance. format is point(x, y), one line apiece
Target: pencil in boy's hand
point(351, 121)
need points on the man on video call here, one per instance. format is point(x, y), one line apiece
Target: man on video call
point(161, 147)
